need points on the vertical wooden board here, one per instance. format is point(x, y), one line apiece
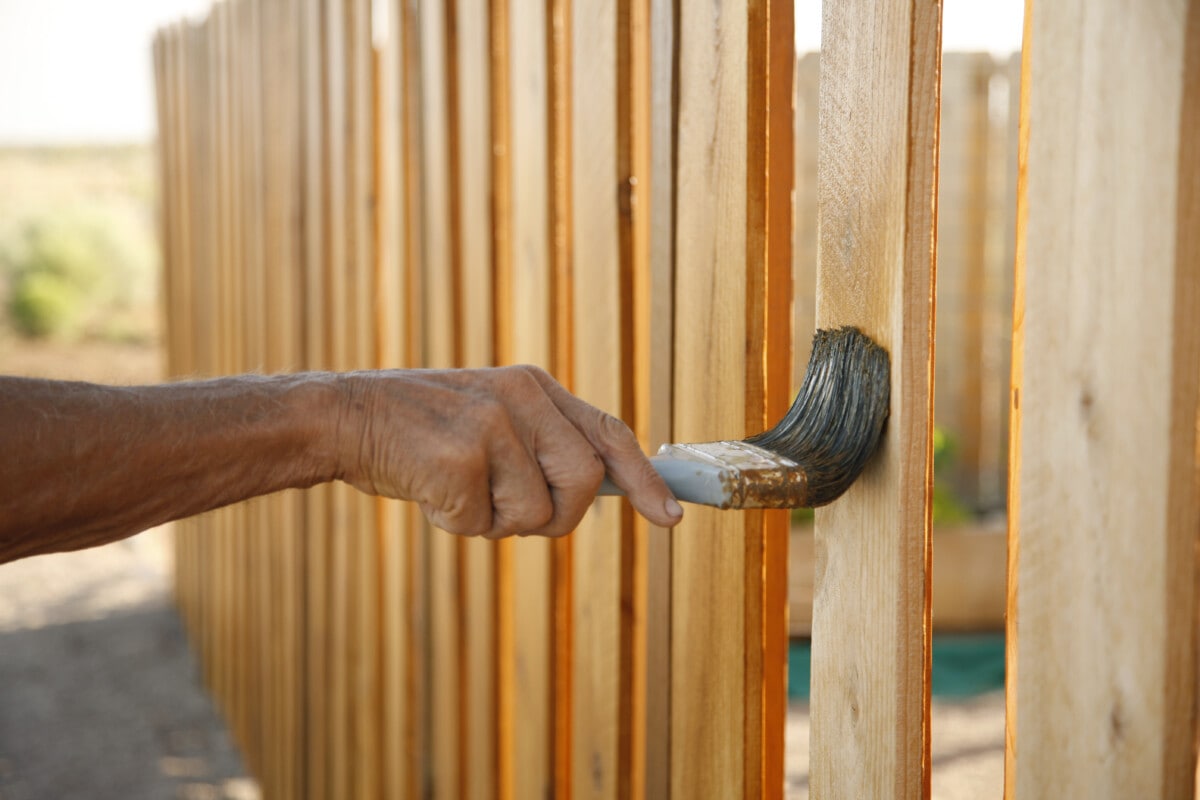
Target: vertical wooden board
point(998, 282)
point(439, 344)
point(1105, 492)
point(364, 585)
point(732, 337)
point(473, 136)
point(225, 566)
point(634, 203)
point(341, 347)
point(963, 180)
point(529, 318)
point(598, 542)
point(559, 33)
point(258, 580)
point(401, 774)
point(653, 371)
point(708, 742)
point(283, 194)
point(316, 356)
point(503, 313)
point(769, 337)
point(804, 243)
point(877, 191)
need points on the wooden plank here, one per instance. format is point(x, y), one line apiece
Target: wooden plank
point(1105, 499)
point(732, 336)
point(963, 222)
point(283, 196)
point(473, 188)
point(559, 144)
point(440, 350)
point(503, 313)
point(402, 774)
point(316, 356)
point(708, 630)
point(364, 584)
point(634, 189)
point(257, 700)
point(529, 323)
point(877, 191)
point(804, 243)
point(770, 127)
point(654, 280)
point(599, 542)
point(340, 341)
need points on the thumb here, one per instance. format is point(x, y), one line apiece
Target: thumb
point(618, 448)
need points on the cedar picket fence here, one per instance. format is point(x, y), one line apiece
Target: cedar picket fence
point(605, 190)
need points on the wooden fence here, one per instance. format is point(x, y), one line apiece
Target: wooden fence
point(605, 189)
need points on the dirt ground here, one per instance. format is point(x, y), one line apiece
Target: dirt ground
point(99, 695)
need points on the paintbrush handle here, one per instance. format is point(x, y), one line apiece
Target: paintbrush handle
point(689, 480)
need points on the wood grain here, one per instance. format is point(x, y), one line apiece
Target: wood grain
point(440, 350)
point(401, 772)
point(1106, 494)
point(316, 356)
point(598, 541)
point(529, 318)
point(876, 187)
point(477, 557)
point(654, 278)
point(503, 313)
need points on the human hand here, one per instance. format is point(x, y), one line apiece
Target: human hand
point(490, 452)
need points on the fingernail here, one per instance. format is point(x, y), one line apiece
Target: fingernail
point(673, 508)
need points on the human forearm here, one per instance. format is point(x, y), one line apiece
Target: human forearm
point(490, 452)
point(90, 464)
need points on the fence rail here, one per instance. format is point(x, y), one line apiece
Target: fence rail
point(605, 190)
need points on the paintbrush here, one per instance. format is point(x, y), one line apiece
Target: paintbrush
point(815, 452)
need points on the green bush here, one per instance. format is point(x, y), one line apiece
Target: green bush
point(69, 273)
point(44, 304)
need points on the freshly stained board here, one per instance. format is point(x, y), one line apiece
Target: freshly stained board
point(1105, 501)
point(876, 201)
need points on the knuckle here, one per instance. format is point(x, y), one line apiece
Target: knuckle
point(614, 432)
point(591, 472)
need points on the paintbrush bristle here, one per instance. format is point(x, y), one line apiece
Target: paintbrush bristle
point(836, 422)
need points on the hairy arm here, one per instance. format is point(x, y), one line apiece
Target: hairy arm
point(485, 452)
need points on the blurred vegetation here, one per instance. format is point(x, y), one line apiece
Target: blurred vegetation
point(947, 508)
point(78, 249)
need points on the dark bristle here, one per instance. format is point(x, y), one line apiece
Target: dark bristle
point(835, 424)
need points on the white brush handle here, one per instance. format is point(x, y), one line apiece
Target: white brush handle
point(689, 480)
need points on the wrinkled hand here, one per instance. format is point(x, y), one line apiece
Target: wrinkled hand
point(491, 452)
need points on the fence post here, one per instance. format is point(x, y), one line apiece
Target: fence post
point(1105, 494)
point(876, 180)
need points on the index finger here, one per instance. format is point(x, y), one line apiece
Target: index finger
point(623, 458)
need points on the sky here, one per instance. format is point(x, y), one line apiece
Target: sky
point(79, 71)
